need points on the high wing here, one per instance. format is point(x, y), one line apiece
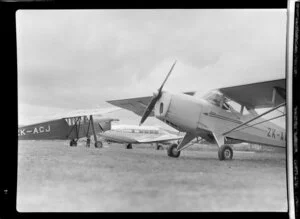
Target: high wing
point(136, 105)
point(258, 95)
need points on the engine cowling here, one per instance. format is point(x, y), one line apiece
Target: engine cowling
point(179, 110)
point(162, 105)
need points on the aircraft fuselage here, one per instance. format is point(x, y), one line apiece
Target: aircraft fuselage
point(200, 117)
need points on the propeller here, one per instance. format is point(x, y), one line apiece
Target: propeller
point(155, 98)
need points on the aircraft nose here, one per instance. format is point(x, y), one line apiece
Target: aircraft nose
point(184, 112)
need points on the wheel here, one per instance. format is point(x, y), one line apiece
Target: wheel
point(98, 144)
point(225, 152)
point(73, 143)
point(172, 151)
point(129, 146)
point(159, 147)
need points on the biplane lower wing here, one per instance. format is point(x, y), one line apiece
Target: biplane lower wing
point(63, 129)
point(55, 129)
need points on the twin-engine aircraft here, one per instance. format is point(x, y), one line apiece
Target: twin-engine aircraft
point(72, 126)
point(133, 134)
point(224, 116)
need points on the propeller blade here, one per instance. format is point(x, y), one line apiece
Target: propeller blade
point(155, 98)
point(149, 109)
point(159, 90)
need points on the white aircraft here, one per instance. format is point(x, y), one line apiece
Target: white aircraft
point(133, 134)
point(223, 116)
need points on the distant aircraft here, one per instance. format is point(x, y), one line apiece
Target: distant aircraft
point(224, 116)
point(74, 125)
point(133, 134)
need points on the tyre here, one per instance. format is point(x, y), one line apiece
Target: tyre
point(73, 143)
point(98, 144)
point(172, 151)
point(159, 147)
point(225, 152)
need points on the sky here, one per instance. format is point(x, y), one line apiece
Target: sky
point(78, 59)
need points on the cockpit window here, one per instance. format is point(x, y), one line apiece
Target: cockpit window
point(234, 106)
point(214, 97)
point(218, 99)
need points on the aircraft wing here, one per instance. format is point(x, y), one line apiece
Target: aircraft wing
point(136, 105)
point(162, 138)
point(85, 112)
point(70, 114)
point(258, 95)
point(75, 124)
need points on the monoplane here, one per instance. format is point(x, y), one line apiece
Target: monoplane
point(223, 116)
point(134, 134)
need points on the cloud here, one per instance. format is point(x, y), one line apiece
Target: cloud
point(80, 59)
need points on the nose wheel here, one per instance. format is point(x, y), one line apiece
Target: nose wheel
point(225, 152)
point(172, 151)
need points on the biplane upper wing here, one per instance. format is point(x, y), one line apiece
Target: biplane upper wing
point(258, 95)
point(136, 105)
point(84, 112)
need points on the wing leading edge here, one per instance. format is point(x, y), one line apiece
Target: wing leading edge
point(136, 105)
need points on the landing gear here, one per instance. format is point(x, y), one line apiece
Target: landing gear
point(225, 152)
point(172, 151)
point(159, 147)
point(73, 143)
point(98, 144)
point(129, 146)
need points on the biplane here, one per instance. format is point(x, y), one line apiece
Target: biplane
point(134, 134)
point(223, 116)
point(72, 126)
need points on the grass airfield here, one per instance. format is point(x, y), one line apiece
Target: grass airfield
point(53, 177)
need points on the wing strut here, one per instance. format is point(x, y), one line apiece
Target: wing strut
point(76, 128)
point(186, 139)
point(93, 128)
point(256, 117)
